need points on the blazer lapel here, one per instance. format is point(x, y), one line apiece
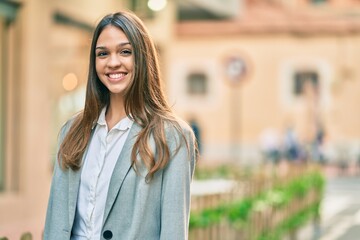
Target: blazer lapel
point(122, 167)
point(74, 184)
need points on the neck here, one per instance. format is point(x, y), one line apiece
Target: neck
point(115, 111)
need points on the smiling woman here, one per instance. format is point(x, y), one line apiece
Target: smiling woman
point(125, 162)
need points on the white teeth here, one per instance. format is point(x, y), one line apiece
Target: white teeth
point(116, 75)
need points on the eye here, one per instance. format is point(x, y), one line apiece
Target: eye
point(101, 54)
point(126, 52)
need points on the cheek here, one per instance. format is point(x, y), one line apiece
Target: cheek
point(130, 64)
point(98, 66)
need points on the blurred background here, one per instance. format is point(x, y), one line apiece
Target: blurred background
point(262, 82)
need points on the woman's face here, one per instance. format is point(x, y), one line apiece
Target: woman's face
point(114, 60)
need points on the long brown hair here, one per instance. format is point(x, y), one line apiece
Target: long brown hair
point(145, 102)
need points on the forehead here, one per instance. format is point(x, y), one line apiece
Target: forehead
point(111, 35)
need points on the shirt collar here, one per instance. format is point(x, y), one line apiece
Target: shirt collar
point(101, 120)
point(122, 125)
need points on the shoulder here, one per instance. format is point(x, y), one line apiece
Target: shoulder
point(178, 128)
point(179, 134)
point(182, 145)
point(66, 126)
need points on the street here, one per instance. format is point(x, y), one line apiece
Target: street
point(340, 211)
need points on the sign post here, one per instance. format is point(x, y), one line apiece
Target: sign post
point(236, 70)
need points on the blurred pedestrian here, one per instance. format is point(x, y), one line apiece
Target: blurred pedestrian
point(292, 149)
point(270, 145)
point(197, 132)
point(125, 162)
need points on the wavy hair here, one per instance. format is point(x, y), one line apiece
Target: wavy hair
point(144, 101)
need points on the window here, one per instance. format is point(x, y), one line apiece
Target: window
point(302, 78)
point(197, 84)
point(305, 75)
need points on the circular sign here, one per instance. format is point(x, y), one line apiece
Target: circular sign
point(236, 69)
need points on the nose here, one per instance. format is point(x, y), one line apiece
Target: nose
point(114, 61)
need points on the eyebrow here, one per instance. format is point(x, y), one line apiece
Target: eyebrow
point(120, 44)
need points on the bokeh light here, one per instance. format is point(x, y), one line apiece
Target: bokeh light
point(157, 5)
point(70, 82)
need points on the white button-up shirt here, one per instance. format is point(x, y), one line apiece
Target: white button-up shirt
point(102, 155)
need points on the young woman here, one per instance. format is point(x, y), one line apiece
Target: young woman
point(125, 162)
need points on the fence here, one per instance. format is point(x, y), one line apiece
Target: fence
point(262, 206)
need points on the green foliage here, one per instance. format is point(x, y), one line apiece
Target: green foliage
point(225, 171)
point(239, 212)
point(206, 218)
point(26, 236)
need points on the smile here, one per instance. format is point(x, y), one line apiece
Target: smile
point(116, 76)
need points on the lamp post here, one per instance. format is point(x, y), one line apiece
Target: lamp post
point(236, 70)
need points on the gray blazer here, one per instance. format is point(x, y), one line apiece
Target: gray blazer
point(134, 209)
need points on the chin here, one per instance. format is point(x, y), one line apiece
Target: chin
point(117, 91)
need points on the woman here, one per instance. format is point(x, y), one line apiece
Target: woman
point(125, 163)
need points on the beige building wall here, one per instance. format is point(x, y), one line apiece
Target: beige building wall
point(264, 99)
point(27, 121)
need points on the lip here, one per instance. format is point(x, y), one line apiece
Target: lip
point(116, 76)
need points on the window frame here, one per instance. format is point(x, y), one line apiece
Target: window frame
point(289, 66)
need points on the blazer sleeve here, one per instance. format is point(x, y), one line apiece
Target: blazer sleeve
point(51, 229)
point(175, 193)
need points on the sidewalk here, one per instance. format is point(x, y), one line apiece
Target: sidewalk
point(340, 211)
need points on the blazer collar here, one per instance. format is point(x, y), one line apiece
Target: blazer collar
point(122, 167)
